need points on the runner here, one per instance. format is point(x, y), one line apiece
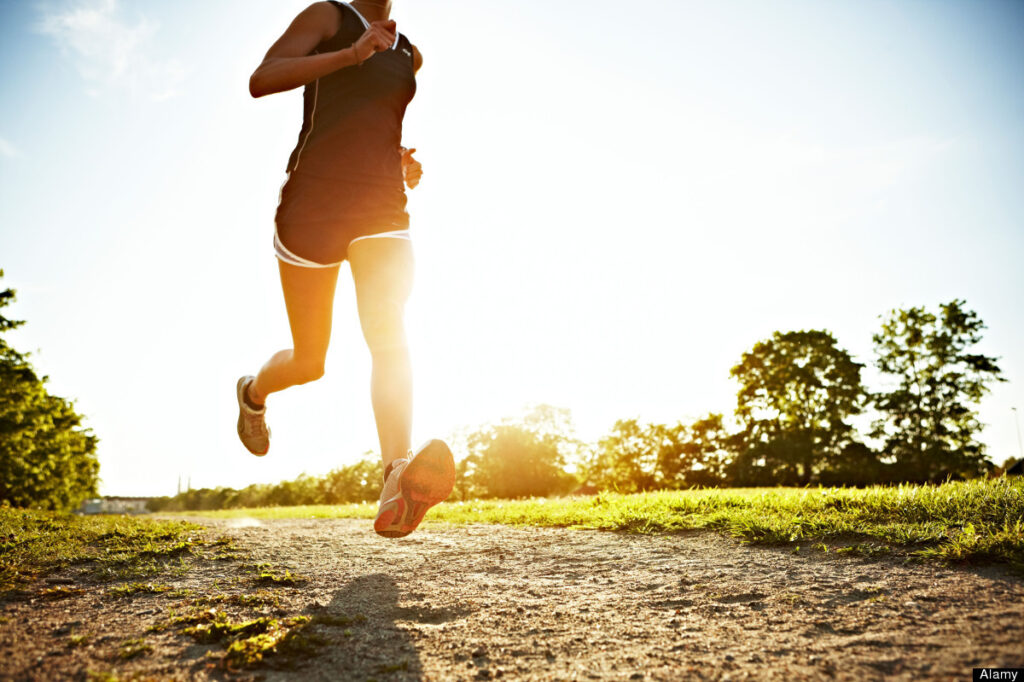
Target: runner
point(344, 199)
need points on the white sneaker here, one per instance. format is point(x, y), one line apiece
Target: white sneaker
point(414, 485)
point(252, 428)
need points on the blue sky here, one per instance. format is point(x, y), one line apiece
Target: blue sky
point(616, 204)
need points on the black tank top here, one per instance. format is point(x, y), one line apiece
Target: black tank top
point(352, 118)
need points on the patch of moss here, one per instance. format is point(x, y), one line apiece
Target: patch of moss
point(133, 648)
point(138, 588)
point(288, 578)
point(60, 592)
point(222, 629)
point(260, 598)
point(75, 641)
point(100, 676)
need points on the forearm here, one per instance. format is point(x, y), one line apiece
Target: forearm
point(279, 74)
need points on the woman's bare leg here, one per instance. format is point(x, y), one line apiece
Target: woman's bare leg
point(383, 271)
point(309, 299)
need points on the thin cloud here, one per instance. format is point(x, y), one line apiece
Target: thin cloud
point(108, 49)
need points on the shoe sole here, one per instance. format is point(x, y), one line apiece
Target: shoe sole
point(240, 426)
point(428, 479)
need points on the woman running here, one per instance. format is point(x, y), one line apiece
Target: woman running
point(344, 199)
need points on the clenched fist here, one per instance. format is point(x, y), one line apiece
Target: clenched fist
point(379, 37)
point(412, 170)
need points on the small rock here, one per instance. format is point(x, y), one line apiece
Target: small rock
point(636, 676)
point(483, 674)
point(479, 652)
point(730, 657)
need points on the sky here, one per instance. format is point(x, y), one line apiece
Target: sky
point(618, 200)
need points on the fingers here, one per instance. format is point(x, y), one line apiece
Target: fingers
point(381, 40)
point(413, 174)
point(378, 37)
point(387, 30)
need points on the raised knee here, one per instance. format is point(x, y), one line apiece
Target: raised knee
point(308, 370)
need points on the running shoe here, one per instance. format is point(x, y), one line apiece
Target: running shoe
point(414, 485)
point(252, 426)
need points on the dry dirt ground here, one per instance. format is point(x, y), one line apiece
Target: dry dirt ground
point(488, 602)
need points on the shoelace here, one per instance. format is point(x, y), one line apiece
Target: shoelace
point(394, 465)
point(255, 422)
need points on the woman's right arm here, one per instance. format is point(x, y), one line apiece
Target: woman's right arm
point(289, 65)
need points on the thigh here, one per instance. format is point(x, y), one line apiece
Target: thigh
point(382, 269)
point(309, 299)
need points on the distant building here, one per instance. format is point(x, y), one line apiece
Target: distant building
point(114, 505)
point(1017, 469)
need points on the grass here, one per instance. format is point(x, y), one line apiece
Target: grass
point(133, 648)
point(129, 589)
point(248, 642)
point(35, 543)
point(971, 521)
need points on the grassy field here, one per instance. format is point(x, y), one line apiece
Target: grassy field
point(35, 543)
point(978, 521)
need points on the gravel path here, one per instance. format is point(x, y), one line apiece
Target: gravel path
point(487, 602)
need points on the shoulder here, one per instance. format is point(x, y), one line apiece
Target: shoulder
point(417, 58)
point(324, 16)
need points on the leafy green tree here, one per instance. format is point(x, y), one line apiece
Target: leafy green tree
point(523, 457)
point(47, 459)
point(704, 453)
point(797, 391)
point(359, 482)
point(635, 457)
point(928, 422)
point(627, 459)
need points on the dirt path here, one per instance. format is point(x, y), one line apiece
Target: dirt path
point(483, 602)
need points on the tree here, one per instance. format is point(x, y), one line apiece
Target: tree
point(636, 457)
point(627, 459)
point(359, 482)
point(928, 422)
point(705, 453)
point(797, 390)
point(523, 457)
point(47, 459)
